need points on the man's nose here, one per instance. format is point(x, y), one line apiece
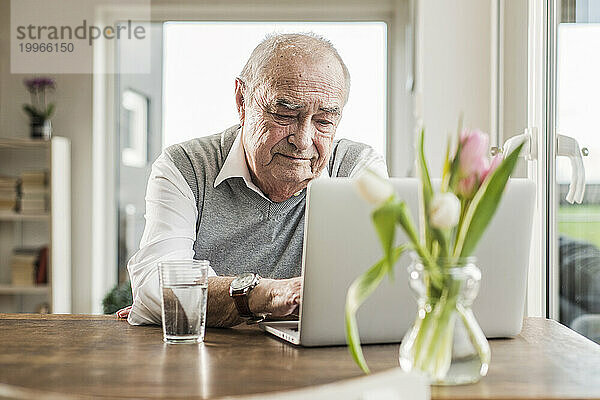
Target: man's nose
point(303, 137)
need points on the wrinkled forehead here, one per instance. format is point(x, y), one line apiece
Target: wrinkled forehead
point(305, 80)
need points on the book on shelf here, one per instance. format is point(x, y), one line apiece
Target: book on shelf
point(29, 266)
point(41, 273)
point(8, 205)
point(22, 266)
point(8, 193)
point(32, 189)
point(34, 178)
point(29, 206)
point(33, 192)
point(8, 182)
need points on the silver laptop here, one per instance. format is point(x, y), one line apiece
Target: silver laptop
point(340, 244)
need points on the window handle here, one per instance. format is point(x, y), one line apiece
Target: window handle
point(566, 146)
point(528, 137)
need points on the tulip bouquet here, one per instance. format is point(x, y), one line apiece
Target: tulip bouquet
point(453, 219)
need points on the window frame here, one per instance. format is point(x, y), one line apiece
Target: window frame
point(543, 285)
point(399, 17)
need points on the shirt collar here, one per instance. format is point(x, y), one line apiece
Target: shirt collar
point(235, 166)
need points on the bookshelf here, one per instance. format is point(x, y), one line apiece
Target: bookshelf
point(51, 228)
point(18, 289)
point(15, 216)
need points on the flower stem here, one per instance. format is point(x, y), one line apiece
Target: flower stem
point(477, 336)
point(433, 345)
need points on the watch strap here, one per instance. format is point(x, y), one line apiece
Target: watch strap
point(241, 303)
point(240, 300)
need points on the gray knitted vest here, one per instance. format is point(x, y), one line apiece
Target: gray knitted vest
point(238, 230)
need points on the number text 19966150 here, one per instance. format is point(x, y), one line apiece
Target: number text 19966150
point(46, 47)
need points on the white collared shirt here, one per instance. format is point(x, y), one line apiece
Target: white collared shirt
point(170, 230)
point(235, 166)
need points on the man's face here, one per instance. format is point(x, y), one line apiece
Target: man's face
point(290, 122)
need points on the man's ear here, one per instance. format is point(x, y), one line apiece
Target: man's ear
point(239, 99)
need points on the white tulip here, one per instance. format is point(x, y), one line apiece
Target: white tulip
point(444, 210)
point(373, 188)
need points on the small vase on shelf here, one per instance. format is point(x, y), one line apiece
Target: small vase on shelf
point(41, 129)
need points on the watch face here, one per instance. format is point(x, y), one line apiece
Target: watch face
point(242, 281)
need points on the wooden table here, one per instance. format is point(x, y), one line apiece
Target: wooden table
point(66, 356)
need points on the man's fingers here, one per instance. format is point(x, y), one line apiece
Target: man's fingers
point(296, 311)
point(296, 299)
point(285, 296)
point(123, 312)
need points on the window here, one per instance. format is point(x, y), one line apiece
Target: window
point(577, 105)
point(202, 59)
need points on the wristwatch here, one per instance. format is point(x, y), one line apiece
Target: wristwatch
point(239, 289)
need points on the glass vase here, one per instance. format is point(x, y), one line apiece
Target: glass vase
point(445, 342)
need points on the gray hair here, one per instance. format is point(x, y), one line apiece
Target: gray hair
point(253, 73)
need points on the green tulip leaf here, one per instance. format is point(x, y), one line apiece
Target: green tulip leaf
point(404, 218)
point(484, 205)
point(425, 187)
point(455, 164)
point(447, 167)
point(384, 219)
point(359, 291)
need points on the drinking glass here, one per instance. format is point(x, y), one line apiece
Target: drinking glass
point(184, 287)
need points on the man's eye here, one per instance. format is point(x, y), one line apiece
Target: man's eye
point(284, 116)
point(323, 122)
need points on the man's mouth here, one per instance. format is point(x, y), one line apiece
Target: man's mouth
point(291, 157)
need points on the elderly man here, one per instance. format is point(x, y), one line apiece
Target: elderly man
point(237, 198)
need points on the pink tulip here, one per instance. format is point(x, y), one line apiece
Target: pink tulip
point(474, 153)
point(466, 186)
point(493, 165)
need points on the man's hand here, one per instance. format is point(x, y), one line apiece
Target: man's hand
point(276, 297)
point(272, 297)
point(123, 313)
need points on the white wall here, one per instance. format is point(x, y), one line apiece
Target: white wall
point(513, 101)
point(514, 60)
point(455, 56)
point(458, 52)
point(455, 72)
point(73, 120)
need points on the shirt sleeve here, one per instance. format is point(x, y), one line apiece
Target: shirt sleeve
point(169, 234)
point(372, 160)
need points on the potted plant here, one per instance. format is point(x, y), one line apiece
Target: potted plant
point(38, 111)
